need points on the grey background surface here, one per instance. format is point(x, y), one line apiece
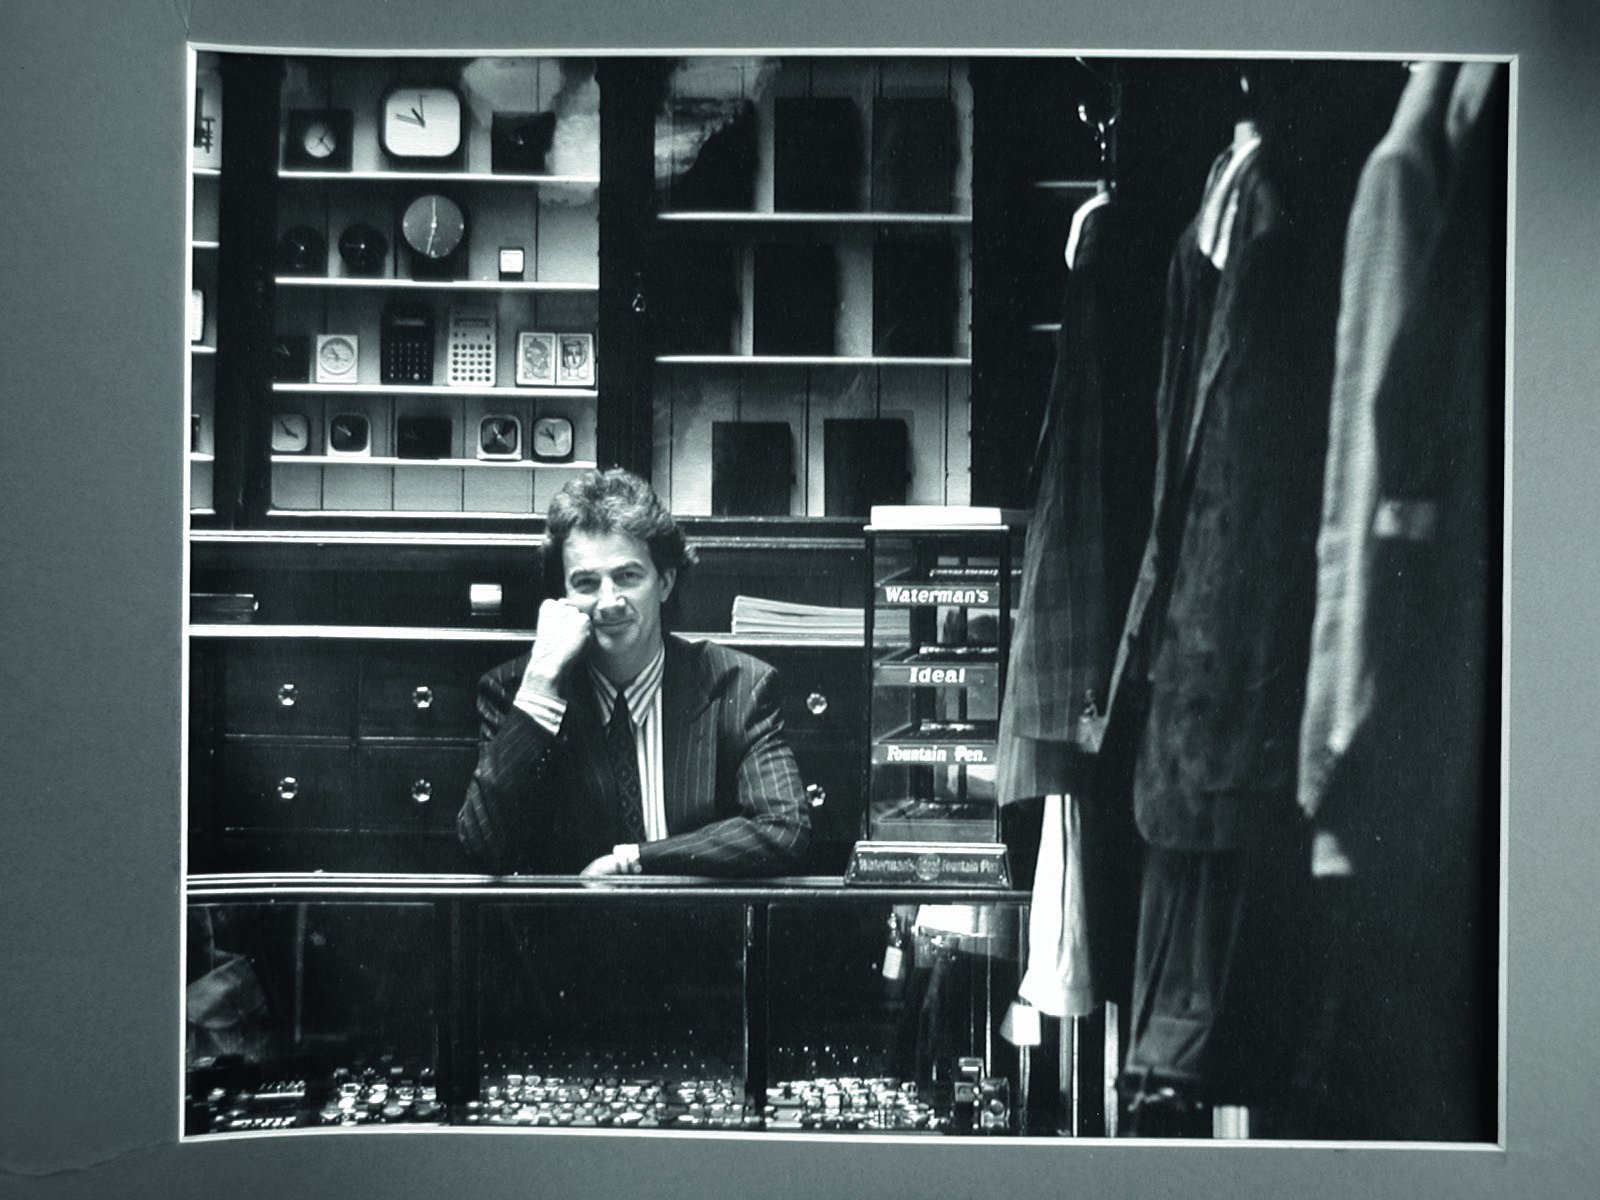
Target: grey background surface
point(91, 350)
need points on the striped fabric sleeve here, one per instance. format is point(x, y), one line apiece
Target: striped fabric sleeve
point(500, 812)
point(771, 832)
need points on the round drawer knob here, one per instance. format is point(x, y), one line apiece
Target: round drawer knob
point(817, 704)
point(422, 696)
point(422, 791)
point(288, 788)
point(816, 794)
point(288, 694)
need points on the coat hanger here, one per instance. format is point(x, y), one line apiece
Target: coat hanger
point(1100, 115)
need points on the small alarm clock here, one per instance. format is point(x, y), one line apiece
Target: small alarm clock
point(349, 433)
point(302, 251)
point(317, 139)
point(363, 249)
point(338, 357)
point(500, 437)
point(551, 439)
point(291, 433)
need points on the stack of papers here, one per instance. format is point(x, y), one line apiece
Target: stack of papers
point(757, 616)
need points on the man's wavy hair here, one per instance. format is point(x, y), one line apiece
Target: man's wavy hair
point(612, 501)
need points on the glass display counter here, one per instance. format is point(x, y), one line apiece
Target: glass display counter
point(324, 1001)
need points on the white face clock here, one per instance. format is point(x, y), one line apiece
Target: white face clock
point(291, 433)
point(319, 140)
point(338, 355)
point(421, 122)
point(552, 439)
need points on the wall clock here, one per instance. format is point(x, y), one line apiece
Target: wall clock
point(421, 124)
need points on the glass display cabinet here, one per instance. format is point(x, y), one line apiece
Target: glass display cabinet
point(343, 1001)
point(939, 614)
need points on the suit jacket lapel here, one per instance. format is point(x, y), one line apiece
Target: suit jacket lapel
point(687, 747)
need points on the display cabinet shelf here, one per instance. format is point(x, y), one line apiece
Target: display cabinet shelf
point(466, 177)
point(205, 244)
point(435, 285)
point(818, 218)
point(467, 464)
point(391, 516)
point(399, 389)
point(392, 1001)
point(253, 630)
point(806, 360)
point(200, 348)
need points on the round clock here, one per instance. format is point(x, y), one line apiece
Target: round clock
point(552, 439)
point(363, 249)
point(319, 139)
point(302, 251)
point(435, 229)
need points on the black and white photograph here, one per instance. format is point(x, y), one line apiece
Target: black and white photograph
point(1118, 761)
point(1027, 671)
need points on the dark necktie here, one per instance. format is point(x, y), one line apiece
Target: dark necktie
point(625, 766)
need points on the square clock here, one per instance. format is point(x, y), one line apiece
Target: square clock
point(291, 433)
point(338, 357)
point(317, 139)
point(421, 123)
point(500, 437)
point(349, 434)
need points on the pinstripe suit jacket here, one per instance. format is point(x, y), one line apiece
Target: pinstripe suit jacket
point(547, 803)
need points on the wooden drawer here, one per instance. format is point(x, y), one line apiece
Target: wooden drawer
point(302, 688)
point(823, 687)
point(413, 788)
point(286, 786)
point(832, 765)
point(424, 691)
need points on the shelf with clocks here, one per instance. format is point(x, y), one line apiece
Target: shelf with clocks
point(430, 451)
point(201, 279)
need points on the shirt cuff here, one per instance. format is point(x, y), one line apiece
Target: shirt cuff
point(545, 709)
point(628, 855)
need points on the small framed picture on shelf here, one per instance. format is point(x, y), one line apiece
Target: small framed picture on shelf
point(536, 359)
point(575, 366)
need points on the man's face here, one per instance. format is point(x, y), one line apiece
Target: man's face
point(611, 577)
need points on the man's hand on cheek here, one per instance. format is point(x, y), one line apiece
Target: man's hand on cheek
point(564, 630)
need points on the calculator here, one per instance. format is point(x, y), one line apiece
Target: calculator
point(471, 349)
point(406, 345)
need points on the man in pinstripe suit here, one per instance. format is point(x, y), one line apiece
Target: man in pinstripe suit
point(611, 747)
